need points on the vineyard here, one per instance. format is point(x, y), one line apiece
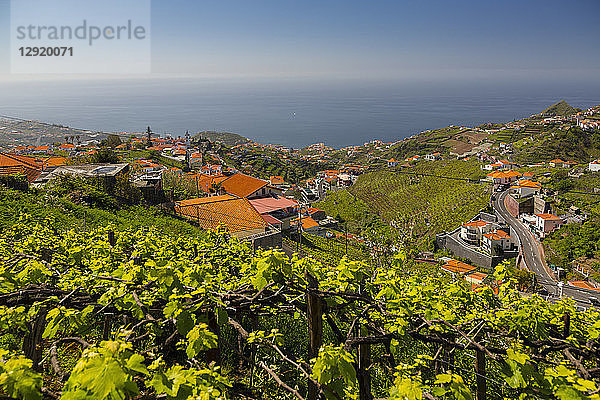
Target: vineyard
point(140, 313)
point(419, 205)
point(329, 250)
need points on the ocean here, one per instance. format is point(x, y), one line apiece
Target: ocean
point(290, 112)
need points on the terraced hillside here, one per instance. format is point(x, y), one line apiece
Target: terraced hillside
point(418, 206)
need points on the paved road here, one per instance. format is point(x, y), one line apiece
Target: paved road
point(534, 259)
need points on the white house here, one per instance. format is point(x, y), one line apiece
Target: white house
point(546, 223)
point(525, 188)
point(492, 242)
point(433, 157)
point(595, 166)
point(472, 232)
point(558, 163)
point(503, 177)
point(392, 163)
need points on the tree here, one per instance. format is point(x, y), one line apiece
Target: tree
point(105, 156)
point(154, 155)
point(112, 141)
point(149, 133)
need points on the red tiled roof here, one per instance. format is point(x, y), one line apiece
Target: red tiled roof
point(476, 224)
point(583, 285)
point(236, 214)
point(13, 164)
point(528, 184)
point(504, 174)
point(243, 185)
point(457, 267)
point(546, 216)
point(307, 222)
point(498, 235)
point(55, 161)
point(277, 180)
point(271, 204)
point(271, 219)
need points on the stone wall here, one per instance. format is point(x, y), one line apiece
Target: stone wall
point(267, 241)
point(516, 207)
point(447, 242)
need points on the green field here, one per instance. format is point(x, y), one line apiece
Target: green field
point(418, 206)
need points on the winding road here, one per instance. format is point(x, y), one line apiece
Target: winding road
point(530, 251)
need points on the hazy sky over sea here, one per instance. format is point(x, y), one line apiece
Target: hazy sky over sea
point(365, 39)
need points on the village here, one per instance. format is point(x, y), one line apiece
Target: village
point(215, 185)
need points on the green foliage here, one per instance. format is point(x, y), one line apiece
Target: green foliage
point(572, 144)
point(178, 383)
point(104, 156)
point(199, 339)
point(333, 368)
point(170, 287)
point(17, 379)
point(106, 371)
point(49, 207)
point(111, 141)
point(17, 182)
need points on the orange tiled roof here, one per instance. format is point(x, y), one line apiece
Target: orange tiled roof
point(547, 216)
point(307, 222)
point(55, 161)
point(498, 235)
point(236, 214)
point(13, 164)
point(458, 267)
point(528, 184)
point(583, 285)
point(243, 185)
point(277, 180)
point(504, 174)
point(476, 224)
point(270, 204)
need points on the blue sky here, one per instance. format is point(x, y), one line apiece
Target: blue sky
point(370, 39)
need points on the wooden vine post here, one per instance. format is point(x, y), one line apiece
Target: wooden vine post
point(480, 374)
point(107, 325)
point(32, 342)
point(213, 326)
point(364, 361)
point(314, 310)
point(364, 376)
point(567, 325)
point(111, 238)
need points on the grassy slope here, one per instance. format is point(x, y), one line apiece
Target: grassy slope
point(421, 205)
point(41, 205)
point(561, 108)
point(552, 142)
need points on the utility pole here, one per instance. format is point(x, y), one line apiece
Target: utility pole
point(299, 231)
point(346, 235)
